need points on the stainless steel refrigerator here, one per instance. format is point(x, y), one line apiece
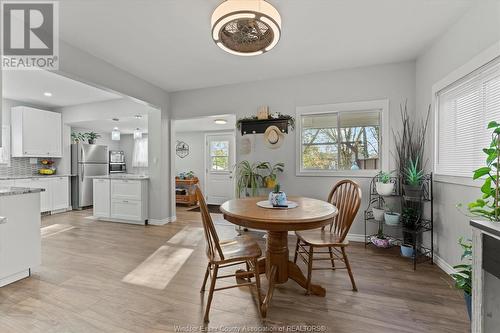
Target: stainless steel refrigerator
point(86, 161)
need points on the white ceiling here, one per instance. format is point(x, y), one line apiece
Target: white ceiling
point(168, 42)
point(204, 124)
point(30, 86)
point(126, 125)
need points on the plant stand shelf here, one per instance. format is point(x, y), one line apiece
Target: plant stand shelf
point(410, 231)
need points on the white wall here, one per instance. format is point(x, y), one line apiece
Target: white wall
point(473, 33)
point(195, 160)
point(395, 82)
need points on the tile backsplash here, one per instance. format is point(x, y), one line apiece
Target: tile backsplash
point(19, 166)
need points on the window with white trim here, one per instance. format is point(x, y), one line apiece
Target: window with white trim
point(464, 110)
point(340, 138)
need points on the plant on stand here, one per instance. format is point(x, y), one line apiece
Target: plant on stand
point(410, 145)
point(384, 186)
point(463, 275)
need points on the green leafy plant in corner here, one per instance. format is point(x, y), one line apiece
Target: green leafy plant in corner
point(463, 275)
point(248, 177)
point(413, 174)
point(488, 206)
point(77, 137)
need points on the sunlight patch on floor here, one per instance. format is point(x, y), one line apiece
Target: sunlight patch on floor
point(55, 229)
point(159, 268)
point(188, 236)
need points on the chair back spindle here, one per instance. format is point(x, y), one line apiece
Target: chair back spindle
point(346, 196)
point(213, 249)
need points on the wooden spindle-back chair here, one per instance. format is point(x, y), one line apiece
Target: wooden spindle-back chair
point(346, 196)
point(221, 254)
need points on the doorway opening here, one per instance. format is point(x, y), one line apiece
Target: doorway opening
point(204, 155)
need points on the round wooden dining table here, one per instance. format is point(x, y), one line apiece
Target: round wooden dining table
point(310, 214)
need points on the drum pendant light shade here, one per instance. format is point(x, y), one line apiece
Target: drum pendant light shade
point(246, 27)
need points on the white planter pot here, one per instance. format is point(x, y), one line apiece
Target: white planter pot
point(384, 189)
point(378, 214)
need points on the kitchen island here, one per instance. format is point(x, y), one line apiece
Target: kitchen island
point(20, 240)
point(121, 198)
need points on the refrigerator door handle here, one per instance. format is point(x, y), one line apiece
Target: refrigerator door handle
point(83, 172)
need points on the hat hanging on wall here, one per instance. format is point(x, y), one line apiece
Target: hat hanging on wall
point(273, 137)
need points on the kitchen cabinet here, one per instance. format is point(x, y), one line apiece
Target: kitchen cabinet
point(35, 132)
point(56, 194)
point(60, 192)
point(121, 200)
point(20, 240)
point(102, 204)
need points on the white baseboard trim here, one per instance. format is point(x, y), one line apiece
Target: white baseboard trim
point(356, 238)
point(441, 263)
point(162, 221)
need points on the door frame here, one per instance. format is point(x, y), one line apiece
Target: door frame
point(232, 159)
point(173, 138)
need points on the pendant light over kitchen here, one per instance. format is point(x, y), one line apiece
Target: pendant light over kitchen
point(246, 27)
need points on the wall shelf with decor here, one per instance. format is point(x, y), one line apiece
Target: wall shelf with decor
point(259, 126)
point(416, 218)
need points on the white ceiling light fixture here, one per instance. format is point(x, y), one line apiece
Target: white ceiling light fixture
point(115, 134)
point(246, 27)
point(220, 121)
point(47, 94)
point(137, 134)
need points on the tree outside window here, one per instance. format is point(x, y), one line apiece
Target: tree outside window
point(341, 141)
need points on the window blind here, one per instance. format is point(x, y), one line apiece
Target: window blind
point(464, 110)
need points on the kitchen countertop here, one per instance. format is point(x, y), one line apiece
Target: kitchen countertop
point(33, 176)
point(5, 191)
point(127, 176)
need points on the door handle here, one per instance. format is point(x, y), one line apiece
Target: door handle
point(83, 171)
point(3, 220)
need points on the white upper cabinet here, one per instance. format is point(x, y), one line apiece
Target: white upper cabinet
point(36, 133)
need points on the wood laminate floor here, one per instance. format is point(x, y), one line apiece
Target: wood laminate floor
point(109, 277)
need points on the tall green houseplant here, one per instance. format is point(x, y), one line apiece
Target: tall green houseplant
point(488, 206)
point(248, 178)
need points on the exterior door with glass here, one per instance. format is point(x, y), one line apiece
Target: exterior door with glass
point(220, 161)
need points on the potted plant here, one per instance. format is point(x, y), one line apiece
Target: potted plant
point(77, 137)
point(488, 206)
point(92, 137)
point(248, 178)
point(380, 240)
point(384, 186)
point(413, 176)
point(463, 275)
point(410, 216)
point(391, 217)
point(378, 213)
point(277, 197)
point(271, 179)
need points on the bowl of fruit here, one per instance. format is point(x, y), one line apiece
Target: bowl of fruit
point(47, 168)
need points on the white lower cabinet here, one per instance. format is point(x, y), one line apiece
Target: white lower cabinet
point(60, 192)
point(121, 200)
point(56, 194)
point(126, 209)
point(102, 204)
